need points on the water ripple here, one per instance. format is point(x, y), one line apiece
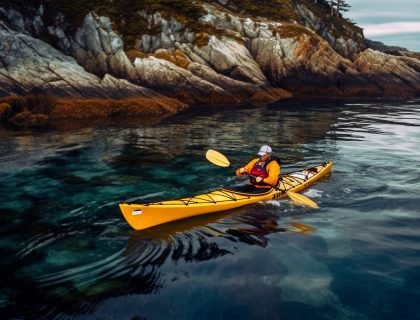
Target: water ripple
point(68, 253)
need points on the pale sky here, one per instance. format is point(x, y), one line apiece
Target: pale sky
point(393, 22)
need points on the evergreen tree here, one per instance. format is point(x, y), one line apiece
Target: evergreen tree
point(342, 6)
point(332, 4)
point(338, 6)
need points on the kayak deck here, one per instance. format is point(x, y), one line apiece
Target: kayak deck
point(142, 216)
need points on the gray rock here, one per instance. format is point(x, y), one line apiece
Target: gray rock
point(249, 56)
point(348, 44)
point(14, 18)
point(393, 75)
point(232, 59)
point(168, 78)
point(28, 64)
point(172, 31)
point(304, 66)
point(191, 54)
point(230, 85)
point(100, 50)
point(379, 46)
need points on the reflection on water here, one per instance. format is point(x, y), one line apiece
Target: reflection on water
point(140, 262)
point(68, 253)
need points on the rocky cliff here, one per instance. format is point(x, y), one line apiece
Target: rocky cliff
point(188, 52)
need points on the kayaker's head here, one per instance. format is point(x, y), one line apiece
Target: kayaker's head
point(265, 153)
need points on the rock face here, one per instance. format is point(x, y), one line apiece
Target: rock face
point(167, 77)
point(308, 65)
point(226, 57)
point(394, 75)
point(100, 50)
point(379, 46)
point(348, 42)
point(29, 64)
point(172, 32)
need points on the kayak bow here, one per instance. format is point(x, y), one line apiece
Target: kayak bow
point(142, 216)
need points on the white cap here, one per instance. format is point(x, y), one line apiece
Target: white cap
point(264, 150)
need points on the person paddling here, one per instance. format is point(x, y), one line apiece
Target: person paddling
point(264, 171)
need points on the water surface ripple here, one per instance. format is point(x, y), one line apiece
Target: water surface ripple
point(67, 252)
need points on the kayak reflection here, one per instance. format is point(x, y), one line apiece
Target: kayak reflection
point(141, 268)
point(209, 236)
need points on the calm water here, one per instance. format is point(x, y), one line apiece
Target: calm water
point(67, 252)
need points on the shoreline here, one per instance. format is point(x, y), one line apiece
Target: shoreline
point(70, 114)
point(36, 111)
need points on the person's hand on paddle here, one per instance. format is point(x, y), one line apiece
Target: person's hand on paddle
point(258, 179)
point(240, 172)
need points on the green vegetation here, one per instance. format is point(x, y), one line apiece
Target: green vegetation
point(125, 14)
point(339, 25)
point(280, 10)
point(128, 21)
point(295, 31)
point(130, 24)
point(203, 31)
point(176, 57)
point(125, 11)
point(21, 6)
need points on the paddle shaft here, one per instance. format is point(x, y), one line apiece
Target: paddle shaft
point(296, 197)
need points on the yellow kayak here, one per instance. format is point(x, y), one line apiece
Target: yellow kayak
point(143, 216)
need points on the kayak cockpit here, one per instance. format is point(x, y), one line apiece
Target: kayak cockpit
point(248, 190)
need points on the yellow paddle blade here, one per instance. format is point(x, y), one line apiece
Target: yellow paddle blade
point(298, 198)
point(300, 228)
point(217, 158)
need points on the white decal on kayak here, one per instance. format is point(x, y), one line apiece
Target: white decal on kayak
point(137, 212)
point(299, 175)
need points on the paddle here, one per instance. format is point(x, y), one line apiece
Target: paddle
point(220, 160)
